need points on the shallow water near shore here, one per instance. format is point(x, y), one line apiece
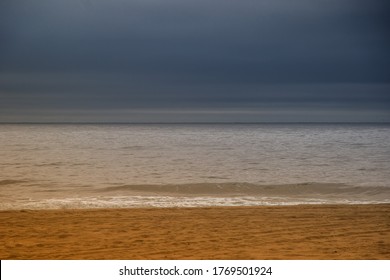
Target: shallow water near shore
point(176, 165)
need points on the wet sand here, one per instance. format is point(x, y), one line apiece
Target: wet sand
point(274, 232)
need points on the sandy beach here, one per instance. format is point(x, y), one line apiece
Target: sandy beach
point(274, 232)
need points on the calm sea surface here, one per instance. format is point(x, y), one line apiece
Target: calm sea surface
point(124, 165)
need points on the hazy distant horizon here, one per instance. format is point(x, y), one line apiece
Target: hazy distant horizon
point(210, 122)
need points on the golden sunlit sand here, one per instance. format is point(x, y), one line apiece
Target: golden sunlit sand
point(274, 232)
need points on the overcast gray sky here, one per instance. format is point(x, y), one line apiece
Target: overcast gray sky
point(194, 60)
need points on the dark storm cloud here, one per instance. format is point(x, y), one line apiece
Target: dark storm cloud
point(216, 55)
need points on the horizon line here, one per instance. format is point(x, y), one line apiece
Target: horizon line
point(144, 123)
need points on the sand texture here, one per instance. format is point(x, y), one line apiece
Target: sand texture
point(275, 232)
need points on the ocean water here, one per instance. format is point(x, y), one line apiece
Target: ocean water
point(176, 165)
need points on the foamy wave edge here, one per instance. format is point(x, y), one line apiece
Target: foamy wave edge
point(207, 195)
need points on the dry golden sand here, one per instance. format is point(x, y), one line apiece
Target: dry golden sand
point(277, 232)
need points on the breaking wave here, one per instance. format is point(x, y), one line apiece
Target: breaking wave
point(207, 195)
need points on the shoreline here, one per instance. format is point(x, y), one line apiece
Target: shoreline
point(327, 231)
point(187, 195)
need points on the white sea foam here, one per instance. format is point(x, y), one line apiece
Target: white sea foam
point(169, 201)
